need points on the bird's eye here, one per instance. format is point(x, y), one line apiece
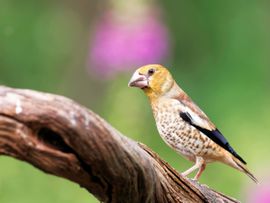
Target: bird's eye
point(151, 71)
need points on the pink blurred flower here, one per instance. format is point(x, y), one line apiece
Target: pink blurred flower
point(118, 45)
point(260, 193)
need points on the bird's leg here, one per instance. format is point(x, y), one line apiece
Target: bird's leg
point(190, 170)
point(201, 169)
point(198, 164)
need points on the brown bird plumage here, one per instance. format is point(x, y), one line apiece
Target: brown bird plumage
point(182, 124)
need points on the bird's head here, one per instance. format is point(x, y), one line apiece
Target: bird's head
point(154, 80)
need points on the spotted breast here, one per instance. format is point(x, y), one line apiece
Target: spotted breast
point(178, 134)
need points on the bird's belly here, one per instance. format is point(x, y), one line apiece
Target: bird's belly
point(182, 137)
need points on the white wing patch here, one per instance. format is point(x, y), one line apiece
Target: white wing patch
point(195, 118)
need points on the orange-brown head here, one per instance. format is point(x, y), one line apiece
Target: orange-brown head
point(155, 80)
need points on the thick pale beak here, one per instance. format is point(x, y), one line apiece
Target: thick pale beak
point(138, 80)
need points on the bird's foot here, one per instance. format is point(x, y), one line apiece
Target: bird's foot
point(194, 180)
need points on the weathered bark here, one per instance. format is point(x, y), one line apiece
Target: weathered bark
point(62, 138)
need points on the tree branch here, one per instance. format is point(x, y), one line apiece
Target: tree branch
point(62, 138)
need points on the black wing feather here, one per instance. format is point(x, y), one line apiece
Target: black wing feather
point(214, 135)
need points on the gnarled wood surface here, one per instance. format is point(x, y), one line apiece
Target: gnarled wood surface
point(62, 138)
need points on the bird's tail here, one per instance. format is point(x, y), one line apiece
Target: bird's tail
point(242, 167)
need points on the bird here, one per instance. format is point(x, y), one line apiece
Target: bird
point(182, 124)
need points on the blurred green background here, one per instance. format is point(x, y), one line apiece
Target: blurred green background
point(218, 51)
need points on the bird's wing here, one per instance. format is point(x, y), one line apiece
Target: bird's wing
point(198, 116)
point(192, 114)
